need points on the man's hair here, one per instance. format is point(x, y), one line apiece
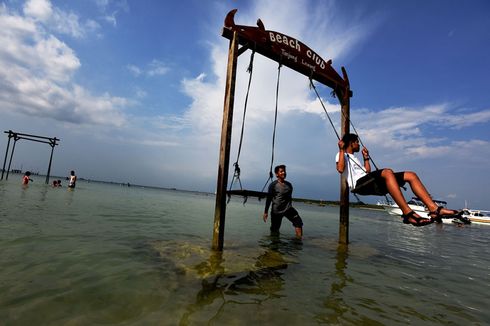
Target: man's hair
point(282, 166)
point(349, 138)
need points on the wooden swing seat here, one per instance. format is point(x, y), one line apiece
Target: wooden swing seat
point(247, 193)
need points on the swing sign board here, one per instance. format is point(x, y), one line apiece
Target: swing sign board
point(287, 51)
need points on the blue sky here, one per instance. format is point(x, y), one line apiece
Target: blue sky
point(134, 90)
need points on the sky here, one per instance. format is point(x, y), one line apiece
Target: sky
point(134, 90)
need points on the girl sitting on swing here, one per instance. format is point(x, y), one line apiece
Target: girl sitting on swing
point(380, 182)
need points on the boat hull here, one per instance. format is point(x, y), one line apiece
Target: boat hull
point(477, 216)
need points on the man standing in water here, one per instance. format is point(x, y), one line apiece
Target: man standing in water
point(73, 180)
point(280, 195)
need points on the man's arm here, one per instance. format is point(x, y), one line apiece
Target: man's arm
point(267, 203)
point(365, 155)
point(341, 162)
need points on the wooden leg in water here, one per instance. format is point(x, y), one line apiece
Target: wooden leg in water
point(224, 158)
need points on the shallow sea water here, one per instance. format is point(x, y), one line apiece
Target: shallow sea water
point(108, 254)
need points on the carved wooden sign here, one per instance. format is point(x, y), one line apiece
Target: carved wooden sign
point(288, 51)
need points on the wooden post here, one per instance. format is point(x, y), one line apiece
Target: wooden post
point(344, 189)
point(11, 156)
point(224, 156)
point(6, 153)
point(52, 144)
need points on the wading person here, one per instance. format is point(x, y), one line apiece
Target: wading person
point(73, 180)
point(380, 182)
point(26, 178)
point(280, 194)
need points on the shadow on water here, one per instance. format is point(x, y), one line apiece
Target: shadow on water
point(256, 286)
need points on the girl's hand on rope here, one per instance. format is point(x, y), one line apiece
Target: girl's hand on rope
point(365, 153)
point(341, 144)
point(265, 217)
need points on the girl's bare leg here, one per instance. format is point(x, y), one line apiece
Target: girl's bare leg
point(421, 192)
point(394, 190)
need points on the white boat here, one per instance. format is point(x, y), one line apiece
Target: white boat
point(418, 207)
point(477, 216)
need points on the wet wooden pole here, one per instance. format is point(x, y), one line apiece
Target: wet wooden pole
point(11, 156)
point(224, 155)
point(52, 143)
point(6, 152)
point(344, 189)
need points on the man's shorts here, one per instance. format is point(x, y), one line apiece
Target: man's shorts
point(291, 214)
point(374, 184)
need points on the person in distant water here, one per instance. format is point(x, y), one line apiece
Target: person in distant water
point(59, 183)
point(280, 195)
point(55, 183)
point(380, 182)
point(73, 180)
point(26, 178)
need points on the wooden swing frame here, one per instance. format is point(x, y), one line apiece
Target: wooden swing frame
point(296, 55)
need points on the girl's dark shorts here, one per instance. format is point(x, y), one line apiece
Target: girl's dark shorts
point(374, 184)
point(291, 214)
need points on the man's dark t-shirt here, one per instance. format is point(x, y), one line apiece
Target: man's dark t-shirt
point(280, 194)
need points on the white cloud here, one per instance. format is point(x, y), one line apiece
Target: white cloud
point(114, 7)
point(152, 69)
point(466, 119)
point(102, 4)
point(69, 23)
point(141, 93)
point(134, 70)
point(204, 112)
point(111, 19)
point(157, 68)
point(38, 9)
point(57, 20)
point(36, 70)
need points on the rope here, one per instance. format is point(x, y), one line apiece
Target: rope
point(324, 109)
point(250, 71)
point(236, 174)
point(271, 175)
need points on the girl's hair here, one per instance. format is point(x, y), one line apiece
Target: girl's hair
point(282, 166)
point(349, 138)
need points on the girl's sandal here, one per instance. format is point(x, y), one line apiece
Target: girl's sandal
point(410, 218)
point(438, 216)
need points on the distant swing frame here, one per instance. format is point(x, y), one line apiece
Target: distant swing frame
point(51, 141)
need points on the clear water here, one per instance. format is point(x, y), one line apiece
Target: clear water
point(107, 254)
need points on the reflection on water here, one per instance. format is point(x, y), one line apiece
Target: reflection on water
point(334, 302)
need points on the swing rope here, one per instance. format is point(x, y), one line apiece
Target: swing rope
point(324, 109)
point(271, 175)
point(236, 174)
